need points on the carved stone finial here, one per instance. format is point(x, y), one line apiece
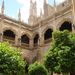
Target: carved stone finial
point(2, 8)
point(19, 15)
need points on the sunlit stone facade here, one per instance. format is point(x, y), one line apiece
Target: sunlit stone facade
point(34, 38)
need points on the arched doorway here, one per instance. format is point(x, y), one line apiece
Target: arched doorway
point(25, 41)
point(48, 35)
point(9, 36)
point(66, 26)
point(36, 40)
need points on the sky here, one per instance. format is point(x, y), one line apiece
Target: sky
point(12, 7)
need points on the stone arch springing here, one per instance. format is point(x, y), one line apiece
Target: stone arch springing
point(48, 35)
point(36, 39)
point(66, 26)
point(11, 29)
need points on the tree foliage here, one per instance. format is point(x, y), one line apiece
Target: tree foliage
point(11, 62)
point(37, 69)
point(61, 55)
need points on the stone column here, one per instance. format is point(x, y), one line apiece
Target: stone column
point(73, 12)
point(1, 28)
point(73, 7)
point(16, 40)
point(19, 41)
point(41, 40)
point(40, 49)
point(31, 44)
point(1, 37)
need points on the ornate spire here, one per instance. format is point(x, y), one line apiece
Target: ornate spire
point(19, 15)
point(45, 8)
point(31, 8)
point(55, 5)
point(41, 13)
point(35, 9)
point(33, 13)
point(45, 2)
point(30, 1)
point(2, 8)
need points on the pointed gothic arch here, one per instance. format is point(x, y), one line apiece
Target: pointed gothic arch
point(66, 25)
point(11, 29)
point(9, 35)
point(48, 35)
point(25, 39)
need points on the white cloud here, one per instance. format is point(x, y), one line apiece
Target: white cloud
point(23, 1)
point(24, 9)
point(26, 5)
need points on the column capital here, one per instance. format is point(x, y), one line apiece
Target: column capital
point(19, 39)
point(32, 38)
point(1, 33)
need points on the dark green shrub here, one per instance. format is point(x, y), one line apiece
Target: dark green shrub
point(61, 55)
point(11, 62)
point(37, 69)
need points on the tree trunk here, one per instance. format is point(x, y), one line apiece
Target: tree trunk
point(51, 73)
point(72, 73)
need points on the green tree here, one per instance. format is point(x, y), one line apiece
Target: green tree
point(11, 62)
point(37, 69)
point(61, 55)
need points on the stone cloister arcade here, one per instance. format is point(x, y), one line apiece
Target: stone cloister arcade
point(32, 38)
point(30, 42)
